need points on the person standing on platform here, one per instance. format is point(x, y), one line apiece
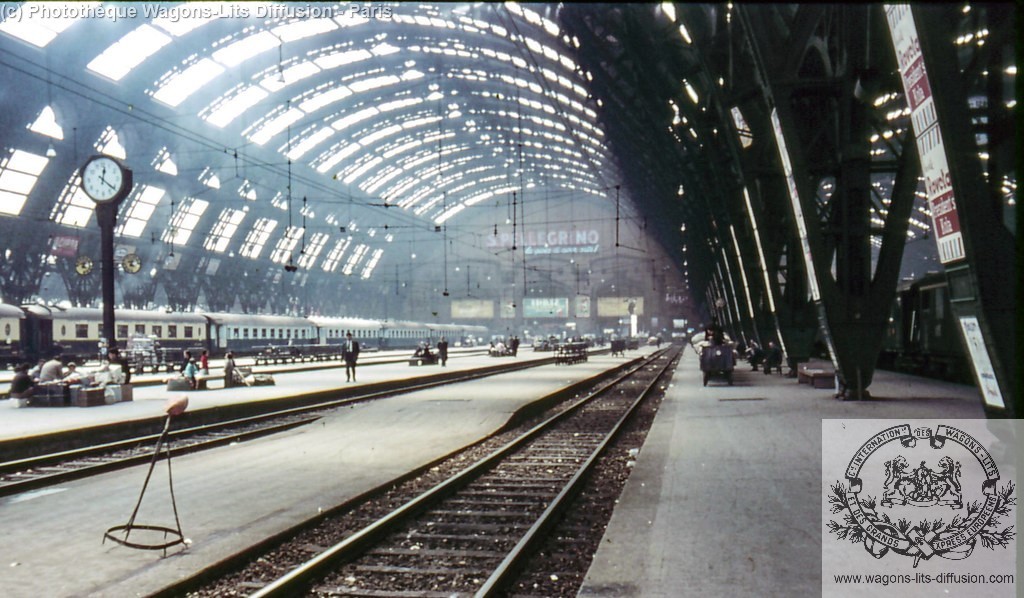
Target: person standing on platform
point(184, 363)
point(442, 351)
point(350, 353)
point(190, 372)
point(204, 363)
point(114, 356)
point(513, 345)
point(229, 370)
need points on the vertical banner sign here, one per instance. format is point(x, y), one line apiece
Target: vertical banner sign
point(987, 383)
point(938, 184)
point(794, 198)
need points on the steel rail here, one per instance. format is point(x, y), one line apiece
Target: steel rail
point(294, 582)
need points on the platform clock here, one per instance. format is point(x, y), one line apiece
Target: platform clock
point(83, 265)
point(105, 179)
point(131, 263)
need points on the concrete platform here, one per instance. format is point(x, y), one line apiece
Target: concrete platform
point(725, 498)
point(149, 400)
point(231, 496)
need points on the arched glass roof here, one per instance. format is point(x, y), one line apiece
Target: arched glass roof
point(429, 109)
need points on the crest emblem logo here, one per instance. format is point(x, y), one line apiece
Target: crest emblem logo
point(936, 483)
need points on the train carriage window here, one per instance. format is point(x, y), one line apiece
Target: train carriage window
point(235, 334)
point(158, 331)
point(7, 330)
point(263, 333)
point(140, 329)
point(63, 331)
point(245, 333)
point(303, 334)
point(81, 331)
point(172, 331)
point(122, 331)
point(188, 332)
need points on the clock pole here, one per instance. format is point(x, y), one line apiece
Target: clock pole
point(106, 215)
point(107, 182)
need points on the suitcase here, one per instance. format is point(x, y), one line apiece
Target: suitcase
point(87, 397)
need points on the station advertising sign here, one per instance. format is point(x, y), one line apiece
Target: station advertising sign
point(472, 308)
point(582, 306)
point(930, 147)
point(618, 307)
point(64, 246)
point(549, 241)
point(987, 383)
point(546, 307)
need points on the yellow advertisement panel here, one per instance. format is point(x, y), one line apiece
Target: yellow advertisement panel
point(619, 307)
point(472, 308)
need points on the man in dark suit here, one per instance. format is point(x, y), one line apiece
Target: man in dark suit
point(442, 350)
point(350, 353)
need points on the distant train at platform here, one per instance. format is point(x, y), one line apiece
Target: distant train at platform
point(922, 337)
point(35, 331)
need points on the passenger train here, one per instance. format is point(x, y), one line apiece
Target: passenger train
point(923, 337)
point(35, 331)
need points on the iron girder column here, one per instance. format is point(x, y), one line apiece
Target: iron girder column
point(814, 75)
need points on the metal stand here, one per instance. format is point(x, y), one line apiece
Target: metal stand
point(176, 535)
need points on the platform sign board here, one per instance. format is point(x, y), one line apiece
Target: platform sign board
point(64, 246)
point(472, 308)
point(930, 147)
point(619, 306)
point(546, 307)
point(798, 212)
point(987, 383)
point(582, 306)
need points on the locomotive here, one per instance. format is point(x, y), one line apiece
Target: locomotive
point(75, 333)
point(922, 337)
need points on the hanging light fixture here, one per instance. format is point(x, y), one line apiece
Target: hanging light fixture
point(50, 151)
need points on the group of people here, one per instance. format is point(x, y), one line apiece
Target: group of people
point(191, 370)
point(500, 349)
point(50, 371)
point(769, 358)
point(423, 350)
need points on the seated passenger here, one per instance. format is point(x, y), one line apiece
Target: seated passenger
point(22, 386)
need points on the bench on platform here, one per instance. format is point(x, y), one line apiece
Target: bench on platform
point(817, 377)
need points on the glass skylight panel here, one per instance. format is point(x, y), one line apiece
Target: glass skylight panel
point(185, 220)
point(334, 257)
point(368, 140)
point(283, 252)
point(335, 157)
point(110, 144)
point(373, 83)
point(140, 208)
point(220, 235)
point(353, 260)
point(361, 170)
point(257, 238)
point(247, 190)
point(164, 163)
point(292, 74)
point(310, 142)
point(334, 93)
point(209, 178)
point(73, 207)
point(230, 109)
point(350, 19)
point(18, 175)
point(179, 87)
point(336, 59)
point(343, 123)
point(183, 18)
point(276, 125)
point(372, 263)
point(402, 148)
point(246, 48)
point(39, 23)
point(127, 53)
point(304, 28)
point(312, 250)
point(46, 124)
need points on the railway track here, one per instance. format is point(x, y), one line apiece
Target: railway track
point(30, 473)
point(460, 530)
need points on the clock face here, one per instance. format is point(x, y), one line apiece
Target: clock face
point(83, 265)
point(131, 263)
point(102, 179)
